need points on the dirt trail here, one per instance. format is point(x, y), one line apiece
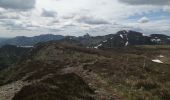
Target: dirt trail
point(102, 89)
point(7, 92)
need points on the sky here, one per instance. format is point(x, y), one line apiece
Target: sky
point(77, 17)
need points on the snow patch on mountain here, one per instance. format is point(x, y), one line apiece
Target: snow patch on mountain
point(105, 41)
point(156, 40)
point(121, 36)
point(157, 61)
point(144, 34)
point(125, 31)
point(26, 46)
point(127, 43)
point(96, 47)
point(161, 56)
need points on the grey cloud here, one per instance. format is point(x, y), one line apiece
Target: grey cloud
point(146, 2)
point(108, 29)
point(8, 22)
point(166, 8)
point(68, 26)
point(92, 20)
point(9, 16)
point(53, 22)
point(12, 24)
point(143, 20)
point(17, 4)
point(55, 30)
point(69, 16)
point(47, 13)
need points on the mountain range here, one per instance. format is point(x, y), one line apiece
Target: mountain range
point(119, 39)
point(123, 66)
point(130, 38)
point(30, 41)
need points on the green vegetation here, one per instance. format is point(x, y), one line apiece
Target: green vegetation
point(10, 55)
point(67, 72)
point(60, 87)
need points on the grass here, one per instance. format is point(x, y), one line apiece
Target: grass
point(60, 87)
point(129, 71)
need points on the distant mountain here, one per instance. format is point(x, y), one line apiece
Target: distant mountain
point(3, 39)
point(160, 39)
point(86, 40)
point(120, 39)
point(129, 38)
point(30, 41)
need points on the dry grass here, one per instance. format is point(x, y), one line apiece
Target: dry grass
point(129, 71)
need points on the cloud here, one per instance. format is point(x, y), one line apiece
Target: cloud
point(48, 13)
point(17, 4)
point(108, 29)
point(91, 20)
point(6, 15)
point(143, 20)
point(76, 17)
point(12, 24)
point(166, 8)
point(146, 2)
point(154, 27)
point(69, 16)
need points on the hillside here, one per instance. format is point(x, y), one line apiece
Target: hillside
point(65, 71)
point(10, 54)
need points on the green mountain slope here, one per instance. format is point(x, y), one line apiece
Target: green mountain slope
point(62, 71)
point(10, 54)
